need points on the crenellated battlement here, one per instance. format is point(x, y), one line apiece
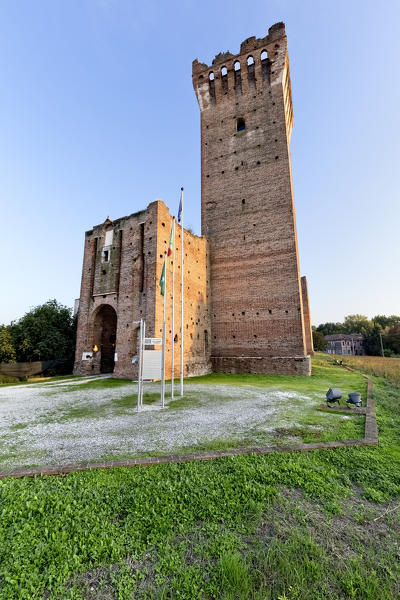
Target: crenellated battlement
point(260, 61)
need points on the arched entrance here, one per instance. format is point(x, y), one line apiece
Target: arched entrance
point(105, 334)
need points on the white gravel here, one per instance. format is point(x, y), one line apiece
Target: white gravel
point(49, 424)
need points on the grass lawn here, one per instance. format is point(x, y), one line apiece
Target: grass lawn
point(79, 420)
point(319, 525)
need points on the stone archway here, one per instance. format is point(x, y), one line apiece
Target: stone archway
point(104, 336)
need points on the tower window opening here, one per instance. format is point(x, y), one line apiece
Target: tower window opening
point(250, 60)
point(224, 71)
point(211, 76)
point(106, 255)
point(240, 124)
point(236, 65)
point(264, 55)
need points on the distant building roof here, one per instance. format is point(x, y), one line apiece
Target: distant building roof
point(337, 337)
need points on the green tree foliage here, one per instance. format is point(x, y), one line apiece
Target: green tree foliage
point(372, 341)
point(319, 341)
point(356, 324)
point(44, 333)
point(330, 328)
point(386, 322)
point(388, 327)
point(391, 339)
point(7, 349)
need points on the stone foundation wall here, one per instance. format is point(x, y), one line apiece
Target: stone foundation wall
point(275, 365)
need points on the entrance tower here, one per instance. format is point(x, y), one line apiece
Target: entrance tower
point(258, 321)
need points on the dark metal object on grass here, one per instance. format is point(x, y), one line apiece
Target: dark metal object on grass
point(354, 398)
point(333, 395)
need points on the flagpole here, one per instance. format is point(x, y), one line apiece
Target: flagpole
point(163, 337)
point(181, 385)
point(173, 307)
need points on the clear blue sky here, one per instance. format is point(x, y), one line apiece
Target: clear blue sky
point(98, 117)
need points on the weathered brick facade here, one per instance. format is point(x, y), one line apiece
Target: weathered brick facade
point(245, 306)
point(257, 316)
point(124, 289)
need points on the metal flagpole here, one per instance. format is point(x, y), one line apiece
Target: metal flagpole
point(142, 355)
point(180, 218)
point(173, 307)
point(163, 336)
point(139, 365)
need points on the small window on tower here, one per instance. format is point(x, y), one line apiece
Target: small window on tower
point(105, 255)
point(241, 125)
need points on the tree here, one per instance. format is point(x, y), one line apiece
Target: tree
point(46, 332)
point(330, 328)
point(356, 323)
point(384, 321)
point(372, 340)
point(319, 341)
point(7, 350)
point(391, 339)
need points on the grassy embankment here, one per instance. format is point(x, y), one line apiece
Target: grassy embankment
point(375, 365)
point(320, 525)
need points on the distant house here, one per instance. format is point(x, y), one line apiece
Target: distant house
point(341, 343)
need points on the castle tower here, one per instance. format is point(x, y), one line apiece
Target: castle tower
point(257, 314)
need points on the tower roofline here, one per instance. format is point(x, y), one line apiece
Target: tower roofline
point(275, 32)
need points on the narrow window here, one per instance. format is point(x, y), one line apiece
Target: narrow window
point(211, 76)
point(105, 255)
point(236, 65)
point(141, 251)
point(224, 79)
point(205, 341)
point(240, 125)
point(250, 60)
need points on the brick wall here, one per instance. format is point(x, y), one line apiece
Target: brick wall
point(248, 211)
point(128, 282)
point(307, 318)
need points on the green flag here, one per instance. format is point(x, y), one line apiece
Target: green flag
point(162, 280)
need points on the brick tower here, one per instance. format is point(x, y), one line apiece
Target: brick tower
point(259, 308)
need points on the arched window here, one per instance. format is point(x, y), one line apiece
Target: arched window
point(250, 60)
point(224, 71)
point(264, 55)
point(211, 76)
point(240, 124)
point(236, 65)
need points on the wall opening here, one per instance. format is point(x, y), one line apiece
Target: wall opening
point(224, 79)
point(238, 79)
point(141, 253)
point(251, 71)
point(104, 336)
point(211, 82)
point(240, 124)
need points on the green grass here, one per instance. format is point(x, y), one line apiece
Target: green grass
point(277, 527)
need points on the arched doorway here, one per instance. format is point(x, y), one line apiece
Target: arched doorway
point(105, 334)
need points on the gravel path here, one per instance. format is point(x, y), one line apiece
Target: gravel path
point(52, 423)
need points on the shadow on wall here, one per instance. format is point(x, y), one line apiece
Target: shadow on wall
point(196, 341)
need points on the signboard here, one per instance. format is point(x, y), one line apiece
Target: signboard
point(151, 364)
point(153, 341)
